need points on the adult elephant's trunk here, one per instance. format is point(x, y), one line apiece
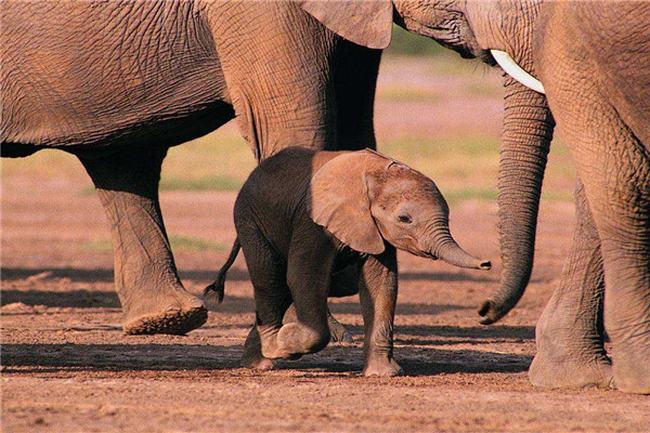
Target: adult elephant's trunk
point(528, 130)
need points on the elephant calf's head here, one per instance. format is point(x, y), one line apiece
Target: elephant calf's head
point(364, 199)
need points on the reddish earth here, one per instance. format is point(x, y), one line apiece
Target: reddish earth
point(66, 366)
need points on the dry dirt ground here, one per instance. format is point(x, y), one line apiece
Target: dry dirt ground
point(66, 365)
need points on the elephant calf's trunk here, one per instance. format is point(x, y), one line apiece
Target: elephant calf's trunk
point(452, 253)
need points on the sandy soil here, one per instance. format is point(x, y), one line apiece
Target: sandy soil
point(66, 366)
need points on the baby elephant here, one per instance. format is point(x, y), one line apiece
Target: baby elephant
point(314, 224)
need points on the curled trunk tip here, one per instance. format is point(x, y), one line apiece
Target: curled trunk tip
point(491, 312)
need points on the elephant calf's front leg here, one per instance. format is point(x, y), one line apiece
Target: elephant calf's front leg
point(378, 293)
point(308, 276)
point(338, 333)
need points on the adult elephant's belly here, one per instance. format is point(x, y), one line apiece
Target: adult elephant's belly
point(94, 74)
point(167, 115)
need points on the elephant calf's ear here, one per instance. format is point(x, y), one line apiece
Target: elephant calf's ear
point(339, 202)
point(364, 22)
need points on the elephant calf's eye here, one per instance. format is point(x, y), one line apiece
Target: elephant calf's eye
point(405, 219)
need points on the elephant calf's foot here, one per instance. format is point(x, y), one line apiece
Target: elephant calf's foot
point(338, 333)
point(569, 372)
point(177, 319)
point(294, 340)
point(382, 366)
point(252, 357)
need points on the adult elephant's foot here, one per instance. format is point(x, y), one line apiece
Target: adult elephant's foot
point(554, 371)
point(178, 316)
point(568, 356)
point(382, 366)
point(252, 357)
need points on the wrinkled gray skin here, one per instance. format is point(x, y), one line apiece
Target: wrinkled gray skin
point(597, 81)
point(117, 83)
point(324, 237)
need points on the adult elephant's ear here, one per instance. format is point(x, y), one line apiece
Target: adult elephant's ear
point(364, 22)
point(339, 200)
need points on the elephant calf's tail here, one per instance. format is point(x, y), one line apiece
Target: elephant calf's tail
point(218, 287)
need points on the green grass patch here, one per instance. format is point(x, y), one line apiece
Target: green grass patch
point(459, 195)
point(404, 43)
point(482, 88)
point(413, 148)
point(558, 148)
point(407, 94)
point(101, 246)
point(45, 164)
point(190, 243)
point(454, 196)
point(182, 243)
point(557, 196)
point(206, 183)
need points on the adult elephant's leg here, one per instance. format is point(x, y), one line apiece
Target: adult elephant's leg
point(604, 121)
point(279, 65)
point(569, 334)
point(623, 221)
point(152, 296)
point(355, 82)
point(615, 169)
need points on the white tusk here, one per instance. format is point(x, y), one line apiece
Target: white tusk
point(517, 72)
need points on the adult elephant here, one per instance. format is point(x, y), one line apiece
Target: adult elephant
point(118, 83)
point(597, 84)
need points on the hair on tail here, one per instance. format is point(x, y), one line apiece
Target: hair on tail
point(218, 286)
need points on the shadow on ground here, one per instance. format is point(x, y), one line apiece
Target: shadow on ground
point(119, 357)
point(231, 305)
point(67, 298)
point(235, 274)
point(102, 274)
point(474, 332)
point(26, 358)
